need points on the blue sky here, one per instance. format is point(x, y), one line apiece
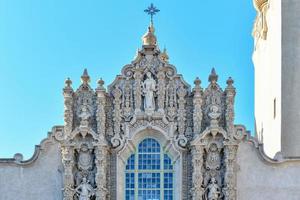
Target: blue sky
point(44, 42)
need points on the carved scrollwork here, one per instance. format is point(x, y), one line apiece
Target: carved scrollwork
point(197, 103)
point(171, 100)
point(197, 190)
point(127, 100)
point(116, 140)
point(161, 91)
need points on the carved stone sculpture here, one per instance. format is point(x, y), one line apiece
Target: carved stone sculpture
point(213, 190)
point(85, 158)
point(149, 88)
point(84, 191)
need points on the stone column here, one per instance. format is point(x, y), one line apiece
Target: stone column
point(68, 102)
point(197, 190)
point(229, 189)
point(68, 178)
point(101, 174)
point(229, 114)
point(138, 91)
point(197, 102)
point(161, 91)
point(101, 101)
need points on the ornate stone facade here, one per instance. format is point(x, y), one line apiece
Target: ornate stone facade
point(211, 158)
point(149, 96)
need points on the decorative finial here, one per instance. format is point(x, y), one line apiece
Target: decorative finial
point(197, 82)
point(164, 55)
point(68, 83)
point(229, 81)
point(100, 83)
point(151, 10)
point(213, 77)
point(85, 78)
point(149, 38)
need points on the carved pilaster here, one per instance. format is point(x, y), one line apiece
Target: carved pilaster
point(171, 100)
point(229, 189)
point(127, 100)
point(68, 106)
point(138, 91)
point(116, 140)
point(181, 115)
point(197, 101)
point(101, 101)
point(101, 174)
point(197, 190)
point(161, 91)
point(67, 153)
point(229, 114)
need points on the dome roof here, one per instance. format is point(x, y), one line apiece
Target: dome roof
point(149, 38)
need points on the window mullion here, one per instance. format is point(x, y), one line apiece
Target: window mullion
point(161, 173)
point(136, 181)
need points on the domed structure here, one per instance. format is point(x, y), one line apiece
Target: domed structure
point(149, 38)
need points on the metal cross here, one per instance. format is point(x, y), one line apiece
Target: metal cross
point(151, 10)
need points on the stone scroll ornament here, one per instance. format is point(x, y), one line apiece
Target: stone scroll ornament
point(214, 146)
point(83, 142)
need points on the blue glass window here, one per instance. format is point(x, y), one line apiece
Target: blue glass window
point(149, 173)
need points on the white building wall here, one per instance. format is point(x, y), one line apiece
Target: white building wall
point(259, 178)
point(267, 63)
point(40, 179)
point(290, 78)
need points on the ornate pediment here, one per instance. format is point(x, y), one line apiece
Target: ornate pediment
point(149, 96)
point(149, 90)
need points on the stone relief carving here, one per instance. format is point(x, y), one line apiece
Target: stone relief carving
point(149, 94)
point(213, 190)
point(149, 89)
point(197, 104)
point(83, 145)
point(214, 148)
point(84, 191)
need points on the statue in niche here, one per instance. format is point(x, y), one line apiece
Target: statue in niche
point(149, 87)
point(84, 191)
point(85, 158)
point(213, 161)
point(213, 190)
point(84, 115)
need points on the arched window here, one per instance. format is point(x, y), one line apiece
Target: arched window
point(149, 173)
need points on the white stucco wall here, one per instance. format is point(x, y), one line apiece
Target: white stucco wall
point(258, 179)
point(267, 63)
point(40, 180)
point(290, 78)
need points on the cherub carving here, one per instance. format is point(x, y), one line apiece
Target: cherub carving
point(213, 190)
point(84, 191)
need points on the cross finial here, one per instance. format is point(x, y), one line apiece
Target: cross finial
point(151, 10)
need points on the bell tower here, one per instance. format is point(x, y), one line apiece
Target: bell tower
point(276, 59)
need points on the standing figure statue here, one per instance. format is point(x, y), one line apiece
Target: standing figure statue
point(213, 190)
point(149, 87)
point(85, 191)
